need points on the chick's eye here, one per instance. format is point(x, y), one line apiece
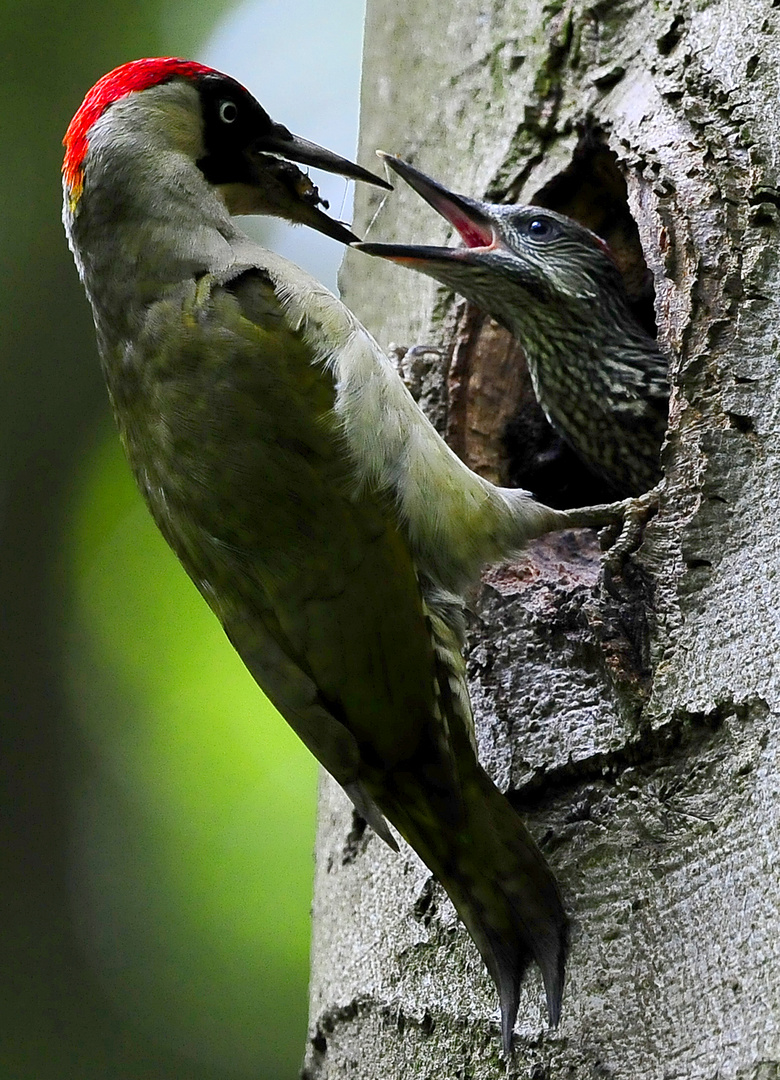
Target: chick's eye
point(228, 111)
point(540, 229)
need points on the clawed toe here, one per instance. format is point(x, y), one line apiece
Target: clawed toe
point(622, 539)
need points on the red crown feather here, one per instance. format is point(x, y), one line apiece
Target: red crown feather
point(135, 75)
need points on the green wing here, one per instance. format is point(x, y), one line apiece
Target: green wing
point(230, 428)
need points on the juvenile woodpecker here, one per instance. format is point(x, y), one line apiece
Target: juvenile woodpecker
point(323, 519)
point(600, 379)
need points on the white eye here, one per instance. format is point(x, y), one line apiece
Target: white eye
point(228, 111)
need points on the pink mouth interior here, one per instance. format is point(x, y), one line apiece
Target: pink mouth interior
point(473, 235)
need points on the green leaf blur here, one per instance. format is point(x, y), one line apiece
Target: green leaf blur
point(196, 823)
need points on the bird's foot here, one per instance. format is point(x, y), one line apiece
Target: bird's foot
point(410, 364)
point(605, 516)
point(618, 544)
point(621, 524)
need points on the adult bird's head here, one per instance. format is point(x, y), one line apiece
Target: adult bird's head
point(174, 114)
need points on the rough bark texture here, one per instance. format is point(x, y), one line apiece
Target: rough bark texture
point(640, 737)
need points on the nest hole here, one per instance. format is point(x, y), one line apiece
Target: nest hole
point(497, 425)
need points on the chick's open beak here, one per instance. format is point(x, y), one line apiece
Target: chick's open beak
point(467, 216)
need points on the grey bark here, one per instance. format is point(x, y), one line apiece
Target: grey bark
point(640, 736)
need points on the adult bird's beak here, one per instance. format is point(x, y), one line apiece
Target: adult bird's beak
point(278, 187)
point(468, 216)
point(282, 142)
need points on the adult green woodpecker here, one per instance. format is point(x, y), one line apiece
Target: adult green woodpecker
point(322, 518)
point(600, 379)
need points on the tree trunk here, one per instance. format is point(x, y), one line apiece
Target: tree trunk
point(638, 733)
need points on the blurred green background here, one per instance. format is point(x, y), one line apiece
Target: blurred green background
point(157, 817)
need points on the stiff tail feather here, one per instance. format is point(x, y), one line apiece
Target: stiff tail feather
point(502, 889)
point(447, 808)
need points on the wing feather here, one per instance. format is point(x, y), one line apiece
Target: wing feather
point(308, 571)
